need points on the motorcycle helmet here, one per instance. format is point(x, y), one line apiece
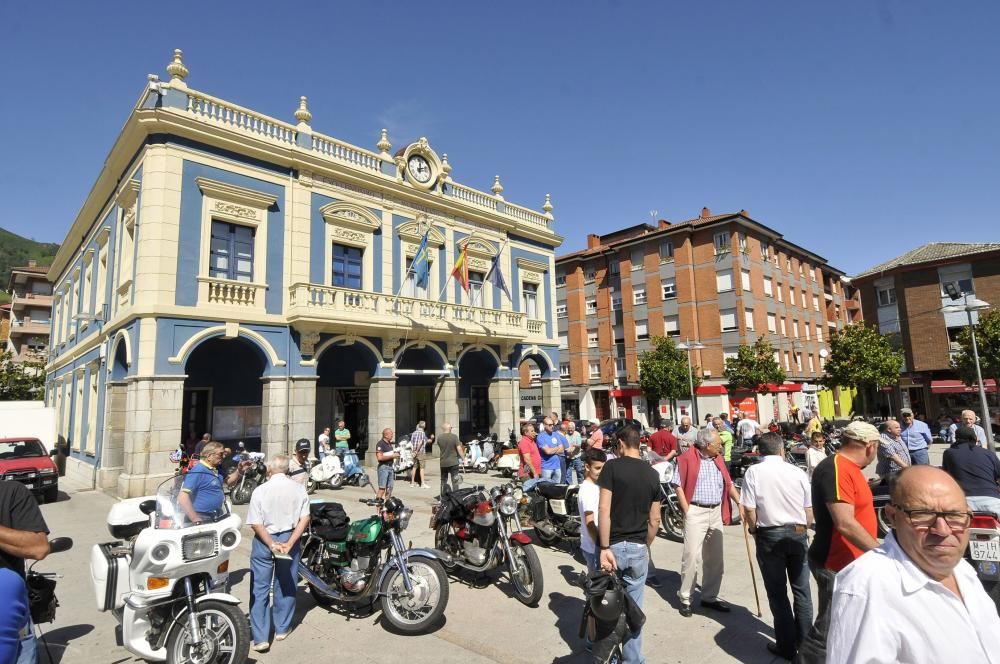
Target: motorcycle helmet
point(393, 504)
point(303, 444)
point(608, 606)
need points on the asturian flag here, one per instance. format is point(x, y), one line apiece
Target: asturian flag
point(495, 276)
point(420, 265)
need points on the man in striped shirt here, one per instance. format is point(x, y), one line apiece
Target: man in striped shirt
point(893, 456)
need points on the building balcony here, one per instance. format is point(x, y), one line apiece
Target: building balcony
point(377, 312)
point(22, 300)
point(27, 327)
point(228, 293)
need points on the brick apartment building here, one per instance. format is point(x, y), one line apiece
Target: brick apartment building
point(30, 313)
point(904, 297)
point(719, 279)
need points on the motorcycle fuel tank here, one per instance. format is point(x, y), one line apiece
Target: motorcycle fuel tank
point(366, 530)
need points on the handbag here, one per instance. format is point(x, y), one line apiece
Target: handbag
point(42, 602)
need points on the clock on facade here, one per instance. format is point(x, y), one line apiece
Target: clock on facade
point(419, 169)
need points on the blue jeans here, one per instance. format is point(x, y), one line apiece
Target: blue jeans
point(532, 483)
point(984, 504)
point(632, 559)
point(28, 652)
point(781, 555)
point(919, 457)
point(574, 466)
point(267, 573)
point(812, 650)
point(591, 559)
point(386, 476)
point(552, 474)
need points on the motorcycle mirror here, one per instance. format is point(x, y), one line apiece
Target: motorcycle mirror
point(147, 507)
point(60, 544)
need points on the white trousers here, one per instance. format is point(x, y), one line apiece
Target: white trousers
point(702, 547)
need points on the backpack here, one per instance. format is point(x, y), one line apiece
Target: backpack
point(329, 521)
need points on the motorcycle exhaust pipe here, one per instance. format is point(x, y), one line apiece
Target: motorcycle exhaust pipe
point(319, 584)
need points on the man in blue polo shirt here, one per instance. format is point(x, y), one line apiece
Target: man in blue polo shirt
point(916, 435)
point(202, 494)
point(550, 449)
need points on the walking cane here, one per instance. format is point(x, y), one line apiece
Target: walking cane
point(746, 540)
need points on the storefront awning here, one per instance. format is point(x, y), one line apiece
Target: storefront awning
point(958, 387)
point(711, 389)
point(631, 392)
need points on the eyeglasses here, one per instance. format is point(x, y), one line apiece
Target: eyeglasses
point(924, 520)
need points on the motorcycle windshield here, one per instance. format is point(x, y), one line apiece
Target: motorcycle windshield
point(170, 514)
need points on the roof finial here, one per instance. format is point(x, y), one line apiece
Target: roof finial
point(302, 113)
point(445, 166)
point(497, 188)
point(383, 144)
point(547, 207)
point(178, 72)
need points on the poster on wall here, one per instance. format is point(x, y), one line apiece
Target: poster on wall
point(233, 422)
point(747, 406)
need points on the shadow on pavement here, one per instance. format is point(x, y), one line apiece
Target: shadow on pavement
point(52, 646)
point(568, 610)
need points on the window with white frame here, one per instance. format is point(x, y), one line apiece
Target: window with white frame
point(564, 370)
point(765, 251)
point(560, 279)
point(727, 320)
point(589, 274)
point(724, 281)
point(231, 254)
point(886, 296)
point(788, 361)
point(807, 331)
point(743, 242)
point(671, 326)
point(563, 342)
point(772, 323)
point(616, 302)
point(476, 280)
point(812, 368)
point(729, 354)
point(802, 269)
point(561, 310)
point(804, 305)
point(780, 293)
point(639, 295)
point(781, 322)
point(595, 369)
point(819, 333)
point(529, 295)
point(777, 358)
point(613, 266)
point(641, 330)
point(748, 318)
point(816, 302)
point(591, 307)
point(410, 287)
point(798, 361)
point(638, 253)
point(745, 280)
point(722, 241)
point(788, 264)
point(768, 287)
point(795, 328)
point(666, 250)
point(669, 289)
point(591, 338)
point(620, 367)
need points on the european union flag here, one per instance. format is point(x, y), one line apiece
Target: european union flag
point(420, 266)
point(495, 276)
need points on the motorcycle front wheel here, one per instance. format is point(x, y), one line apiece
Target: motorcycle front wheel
point(673, 524)
point(525, 574)
point(336, 481)
point(310, 486)
point(240, 494)
point(415, 612)
point(225, 636)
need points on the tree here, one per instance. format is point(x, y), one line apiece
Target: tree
point(862, 358)
point(988, 343)
point(20, 382)
point(753, 369)
point(663, 373)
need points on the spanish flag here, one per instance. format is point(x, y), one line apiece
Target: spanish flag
point(461, 269)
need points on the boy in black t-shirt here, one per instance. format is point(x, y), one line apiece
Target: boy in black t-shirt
point(629, 516)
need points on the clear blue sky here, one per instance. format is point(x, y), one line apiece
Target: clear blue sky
point(858, 129)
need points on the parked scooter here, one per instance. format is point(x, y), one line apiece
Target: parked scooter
point(984, 552)
point(344, 565)
point(474, 460)
point(252, 477)
point(403, 460)
point(480, 532)
point(354, 474)
point(327, 473)
point(671, 516)
point(554, 512)
point(165, 580)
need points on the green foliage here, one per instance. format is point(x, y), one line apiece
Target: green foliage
point(20, 382)
point(754, 368)
point(861, 357)
point(988, 342)
point(16, 251)
point(663, 372)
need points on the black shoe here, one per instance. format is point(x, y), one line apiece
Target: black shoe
point(774, 650)
point(717, 605)
point(686, 610)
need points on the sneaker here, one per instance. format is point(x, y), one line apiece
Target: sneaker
point(281, 637)
point(412, 484)
point(425, 486)
point(261, 647)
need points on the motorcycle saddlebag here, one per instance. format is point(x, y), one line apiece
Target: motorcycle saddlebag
point(329, 521)
point(109, 574)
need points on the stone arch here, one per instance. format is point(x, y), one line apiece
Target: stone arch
point(120, 358)
point(421, 344)
point(123, 336)
point(256, 339)
point(479, 347)
point(535, 354)
point(348, 341)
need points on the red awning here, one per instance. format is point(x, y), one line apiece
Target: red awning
point(625, 393)
point(711, 389)
point(958, 387)
point(786, 387)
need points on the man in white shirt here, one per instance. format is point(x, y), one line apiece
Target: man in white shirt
point(747, 429)
point(686, 435)
point(278, 514)
point(968, 419)
point(914, 599)
point(778, 505)
point(588, 500)
point(324, 443)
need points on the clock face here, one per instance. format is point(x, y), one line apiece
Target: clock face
point(419, 169)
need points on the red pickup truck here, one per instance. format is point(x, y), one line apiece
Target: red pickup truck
point(25, 460)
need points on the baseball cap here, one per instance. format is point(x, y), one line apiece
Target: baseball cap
point(905, 411)
point(861, 431)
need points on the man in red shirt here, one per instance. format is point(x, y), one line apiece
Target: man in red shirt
point(845, 523)
point(663, 442)
point(531, 459)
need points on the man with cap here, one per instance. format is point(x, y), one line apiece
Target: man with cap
point(976, 470)
point(298, 470)
point(916, 435)
point(663, 442)
point(596, 438)
point(844, 509)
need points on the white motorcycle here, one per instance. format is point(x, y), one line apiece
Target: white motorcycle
point(328, 472)
point(165, 581)
point(474, 460)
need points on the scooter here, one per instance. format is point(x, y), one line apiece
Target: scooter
point(328, 472)
point(165, 581)
point(474, 460)
point(354, 474)
point(253, 477)
point(403, 460)
point(984, 552)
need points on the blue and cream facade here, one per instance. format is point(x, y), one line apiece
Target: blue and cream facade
point(236, 274)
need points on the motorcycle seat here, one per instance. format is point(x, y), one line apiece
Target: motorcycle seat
point(551, 490)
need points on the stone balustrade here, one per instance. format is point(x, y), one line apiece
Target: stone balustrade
point(215, 110)
point(229, 293)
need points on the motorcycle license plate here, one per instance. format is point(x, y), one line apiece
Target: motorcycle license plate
point(985, 550)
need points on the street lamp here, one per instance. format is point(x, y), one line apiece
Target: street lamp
point(689, 346)
point(975, 304)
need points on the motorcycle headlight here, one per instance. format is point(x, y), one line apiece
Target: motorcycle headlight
point(159, 553)
point(229, 539)
point(508, 505)
point(404, 517)
point(198, 547)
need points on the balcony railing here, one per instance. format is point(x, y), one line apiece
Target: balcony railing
point(228, 293)
point(379, 310)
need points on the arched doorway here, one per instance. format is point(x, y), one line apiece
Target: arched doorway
point(115, 412)
point(477, 369)
point(223, 391)
point(344, 374)
point(540, 392)
point(421, 374)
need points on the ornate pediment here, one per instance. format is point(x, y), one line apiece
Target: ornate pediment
point(350, 214)
point(412, 232)
point(234, 200)
point(477, 247)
